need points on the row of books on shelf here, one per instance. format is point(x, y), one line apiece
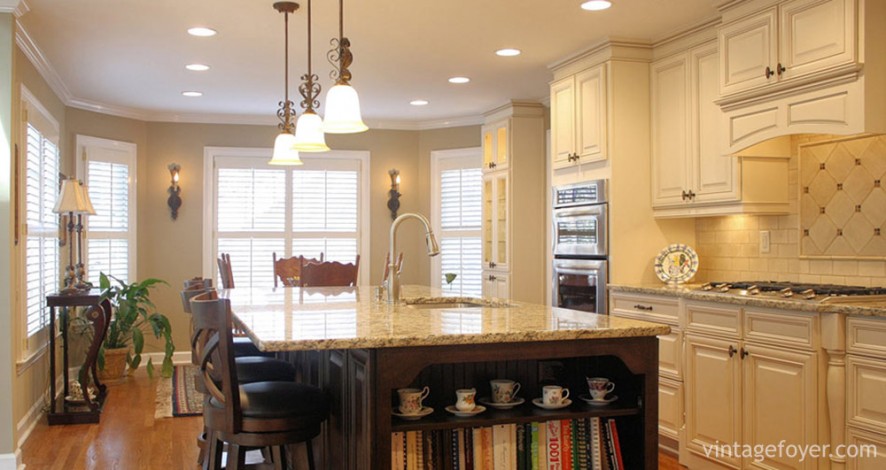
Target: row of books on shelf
point(568, 444)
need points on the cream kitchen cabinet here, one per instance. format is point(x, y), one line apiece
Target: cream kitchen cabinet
point(785, 43)
point(578, 118)
point(513, 254)
point(866, 387)
point(752, 377)
point(495, 146)
point(690, 176)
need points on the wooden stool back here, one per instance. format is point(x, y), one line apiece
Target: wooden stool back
point(330, 274)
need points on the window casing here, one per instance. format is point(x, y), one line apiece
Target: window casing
point(457, 186)
point(258, 209)
point(39, 187)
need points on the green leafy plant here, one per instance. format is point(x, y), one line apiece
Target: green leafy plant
point(135, 315)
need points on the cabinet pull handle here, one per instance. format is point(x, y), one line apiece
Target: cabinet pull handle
point(780, 69)
point(647, 308)
point(732, 350)
point(768, 72)
point(492, 165)
point(491, 277)
point(744, 353)
point(491, 264)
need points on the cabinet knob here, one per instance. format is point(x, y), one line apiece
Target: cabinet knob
point(768, 73)
point(491, 164)
point(732, 350)
point(744, 353)
point(691, 194)
point(491, 264)
point(684, 195)
point(491, 277)
point(780, 69)
point(647, 308)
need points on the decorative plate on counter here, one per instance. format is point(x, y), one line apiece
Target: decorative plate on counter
point(676, 264)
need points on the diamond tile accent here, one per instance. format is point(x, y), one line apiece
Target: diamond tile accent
point(842, 203)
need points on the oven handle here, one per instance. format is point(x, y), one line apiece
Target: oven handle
point(578, 271)
point(594, 209)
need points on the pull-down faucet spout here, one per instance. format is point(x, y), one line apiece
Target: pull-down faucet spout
point(430, 240)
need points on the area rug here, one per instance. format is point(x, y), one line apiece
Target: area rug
point(177, 396)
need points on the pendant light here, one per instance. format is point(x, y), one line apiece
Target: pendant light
point(342, 103)
point(309, 129)
point(284, 150)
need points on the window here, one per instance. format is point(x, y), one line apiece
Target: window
point(40, 187)
point(260, 210)
point(108, 169)
point(457, 185)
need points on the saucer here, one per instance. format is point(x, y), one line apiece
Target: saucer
point(590, 401)
point(464, 414)
point(502, 406)
point(425, 410)
point(539, 402)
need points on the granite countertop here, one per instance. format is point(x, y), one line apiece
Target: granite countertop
point(293, 319)
point(690, 291)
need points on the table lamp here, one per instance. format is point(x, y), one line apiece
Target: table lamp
point(72, 199)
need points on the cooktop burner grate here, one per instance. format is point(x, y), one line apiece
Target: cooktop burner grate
point(819, 289)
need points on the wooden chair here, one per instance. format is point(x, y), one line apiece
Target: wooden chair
point(225, 274)
point(330, 274)
point(288, 270)
point(249, 415)
point(399, 266)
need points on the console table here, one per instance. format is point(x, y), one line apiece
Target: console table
point(98, 314)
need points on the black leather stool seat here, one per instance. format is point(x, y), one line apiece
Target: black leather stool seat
point(269, 400)
point(263, 369)
point(244, 346)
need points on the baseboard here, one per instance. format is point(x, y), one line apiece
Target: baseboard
point(12, 461)
point(178, 358)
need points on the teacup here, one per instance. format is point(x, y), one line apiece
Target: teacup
point(504, 391)
point(411, 398)
point(554, 395)
point(465, 399)
point(599, 387)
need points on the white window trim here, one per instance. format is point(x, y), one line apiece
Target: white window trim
point(31, 109)
point(209, 204)
point(131, 159)
point(437, 157)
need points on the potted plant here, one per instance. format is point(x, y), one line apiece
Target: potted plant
point(134, 315)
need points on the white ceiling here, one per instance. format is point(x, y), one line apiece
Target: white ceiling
point(128, 57)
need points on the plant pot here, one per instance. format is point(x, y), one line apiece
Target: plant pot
point(115, 365)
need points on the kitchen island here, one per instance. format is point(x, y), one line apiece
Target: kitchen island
point(361, 350)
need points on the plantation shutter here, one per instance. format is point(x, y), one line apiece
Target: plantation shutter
point(460, 216)
point(324, 214)
point(109, 230)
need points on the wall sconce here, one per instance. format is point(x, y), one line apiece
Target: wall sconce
point(394, 193)
point(175, 200)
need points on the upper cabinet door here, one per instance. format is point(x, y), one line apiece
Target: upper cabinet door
point(590, 123)
point(563, 121)
point(749, 51)
point(815, 34)
point(495, 147)
point(670, 132)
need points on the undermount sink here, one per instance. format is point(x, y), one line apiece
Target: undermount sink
point(447, 305)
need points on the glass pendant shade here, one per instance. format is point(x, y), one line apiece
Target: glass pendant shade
point(343, 111)
point(309, 133)
point(284, 151)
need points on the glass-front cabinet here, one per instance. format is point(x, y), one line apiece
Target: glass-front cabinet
point(495, 147)
point(495, 220)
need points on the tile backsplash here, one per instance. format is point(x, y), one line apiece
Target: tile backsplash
point(729, 247)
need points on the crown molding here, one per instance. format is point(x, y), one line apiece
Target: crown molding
point(22, 9)
point(47, 71)
point(8, 6)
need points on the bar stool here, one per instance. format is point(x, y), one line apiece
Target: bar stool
point(249, 415)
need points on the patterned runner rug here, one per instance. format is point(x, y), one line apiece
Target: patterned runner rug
point(177, 396)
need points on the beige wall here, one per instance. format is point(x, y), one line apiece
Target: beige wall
point(7, 307)
point(729, 250)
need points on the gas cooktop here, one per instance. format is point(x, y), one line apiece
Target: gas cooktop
point(790, 289)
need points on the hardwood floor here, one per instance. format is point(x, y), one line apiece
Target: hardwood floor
point(129, 438)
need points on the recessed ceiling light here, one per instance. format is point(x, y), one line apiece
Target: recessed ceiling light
point(507, 52)
point(418, 102)
point(197, 67)
point(459, 80)
point(192, 94)
point(596, 5)
point(202, 32)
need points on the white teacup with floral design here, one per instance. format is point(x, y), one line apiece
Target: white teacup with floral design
point(504, 391)
point(411, 399)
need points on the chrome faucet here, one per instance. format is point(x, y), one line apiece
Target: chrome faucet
point(394, 276)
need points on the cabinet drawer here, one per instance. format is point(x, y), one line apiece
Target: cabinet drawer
point(713, 319)
point(647, 307)
point(871, 447)
point(779, 327)
point(867, 387)
point(866, 336)
point(670, 408)
point(670, 355)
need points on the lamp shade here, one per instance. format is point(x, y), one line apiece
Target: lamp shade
point(309, 133)
point(343, 111)
point(88, 209)
point(71, 199)
point(284, 152)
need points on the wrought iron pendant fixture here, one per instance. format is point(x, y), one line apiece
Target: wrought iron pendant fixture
point(309, 129)
point(342, 103)
point(284, 149)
